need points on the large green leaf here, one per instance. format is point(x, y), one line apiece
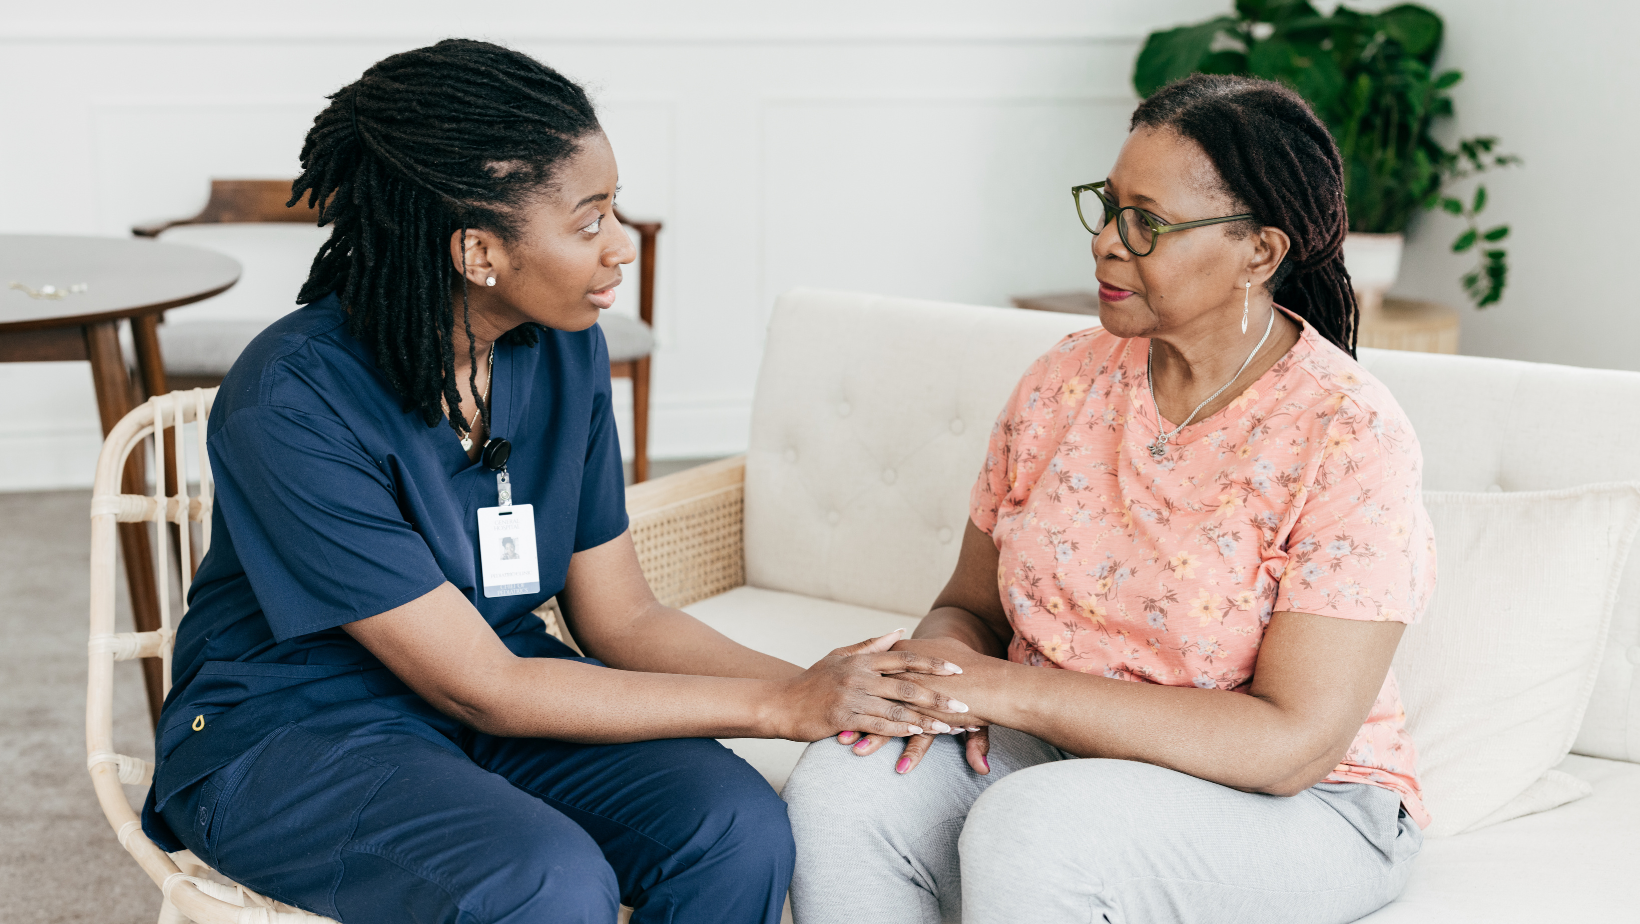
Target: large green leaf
point(1304, 66)
point(1275, 11)
point(1175, 53)
point(1417, 30)
point(1228, 61)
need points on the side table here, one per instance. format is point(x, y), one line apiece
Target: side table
point(1401, 324)
point(1412, 325)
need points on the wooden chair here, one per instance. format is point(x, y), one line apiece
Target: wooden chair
point(212, 347)
point(191, 890)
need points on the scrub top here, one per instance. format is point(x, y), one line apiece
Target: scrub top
point(335, 502)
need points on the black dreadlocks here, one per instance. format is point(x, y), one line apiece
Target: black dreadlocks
point(427, 143)
point(1278, 161)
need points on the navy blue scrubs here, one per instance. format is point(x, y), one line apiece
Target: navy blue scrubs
point(293, 761)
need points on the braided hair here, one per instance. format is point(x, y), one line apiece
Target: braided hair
point(1279, 162)
point(426, 143)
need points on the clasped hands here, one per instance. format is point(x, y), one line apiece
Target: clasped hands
point(891, 688)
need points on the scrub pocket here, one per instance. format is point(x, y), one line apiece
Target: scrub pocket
point(276, 818)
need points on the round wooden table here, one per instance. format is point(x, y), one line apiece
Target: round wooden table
point(62, 299)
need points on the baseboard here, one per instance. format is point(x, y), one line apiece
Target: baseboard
point(48, 458)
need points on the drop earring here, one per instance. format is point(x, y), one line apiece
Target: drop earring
point(1246, 295)
point(490, 281)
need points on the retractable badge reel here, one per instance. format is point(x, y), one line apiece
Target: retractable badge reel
point(506, 533)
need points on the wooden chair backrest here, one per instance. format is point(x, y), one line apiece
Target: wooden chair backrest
point(242, 201)
point(187, 885)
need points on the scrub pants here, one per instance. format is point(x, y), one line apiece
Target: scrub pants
point(390, 812)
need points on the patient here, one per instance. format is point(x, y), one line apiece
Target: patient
point(1195, 542)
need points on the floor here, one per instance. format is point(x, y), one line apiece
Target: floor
point(59, 861)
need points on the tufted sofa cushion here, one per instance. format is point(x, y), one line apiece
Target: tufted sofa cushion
point(872, 415)
point(869, 424)
point(1494, 424)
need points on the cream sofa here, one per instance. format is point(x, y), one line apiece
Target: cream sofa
point(870, 420)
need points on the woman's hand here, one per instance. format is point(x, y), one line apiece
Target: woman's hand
point(852, 689)
point(977, 739)
point(974, 684)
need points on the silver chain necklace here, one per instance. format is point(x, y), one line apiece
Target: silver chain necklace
point(1159, 447)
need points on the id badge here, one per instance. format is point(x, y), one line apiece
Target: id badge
point(506, 550)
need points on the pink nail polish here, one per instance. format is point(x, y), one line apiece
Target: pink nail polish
point(903, 765)
point(984, 763)
point(846, 737)
point(860, 744)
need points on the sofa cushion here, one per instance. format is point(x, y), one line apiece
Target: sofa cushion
point(1495, 424)
point(869, 424)
point(1571, 864)
point(1496, 677)
point(801, 630)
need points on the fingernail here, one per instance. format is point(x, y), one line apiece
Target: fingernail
point(956, 706)
point(984, 763)
point(846, 737)
point(860, 746)
point(952, 668)
point(940, 728)
point(973, 728)
point(903, 765)
point(914, 729)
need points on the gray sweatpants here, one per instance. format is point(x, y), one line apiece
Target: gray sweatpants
point(1049, 838)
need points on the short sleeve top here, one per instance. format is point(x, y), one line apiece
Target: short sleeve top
point(335, 502)
point(1303, 495)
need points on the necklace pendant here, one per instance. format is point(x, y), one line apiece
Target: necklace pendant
point(466, 444)
point(1158, 449)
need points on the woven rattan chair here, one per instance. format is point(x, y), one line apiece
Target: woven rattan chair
point(191, 890)
point(687, 528)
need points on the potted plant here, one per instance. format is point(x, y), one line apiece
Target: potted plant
point(1372, 78)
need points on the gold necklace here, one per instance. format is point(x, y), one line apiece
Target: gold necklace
point(489, 382)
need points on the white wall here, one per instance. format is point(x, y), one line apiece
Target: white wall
point(1560, 85)
point(919, 148)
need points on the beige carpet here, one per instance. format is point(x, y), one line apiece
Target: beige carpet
point(59, 861)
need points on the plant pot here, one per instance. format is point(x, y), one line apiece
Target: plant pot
point(1373, 262)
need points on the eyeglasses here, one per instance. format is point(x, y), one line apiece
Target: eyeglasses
point(1137, 228)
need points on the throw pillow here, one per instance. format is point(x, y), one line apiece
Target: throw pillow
point(1497, 675)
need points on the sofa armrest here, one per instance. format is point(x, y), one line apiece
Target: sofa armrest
point(689, 531)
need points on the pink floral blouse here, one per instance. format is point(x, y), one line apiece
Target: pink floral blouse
point(1302, 495)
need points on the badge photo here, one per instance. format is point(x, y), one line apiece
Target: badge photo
point(506, 550)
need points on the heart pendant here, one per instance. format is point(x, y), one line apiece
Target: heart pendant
point(466, 444)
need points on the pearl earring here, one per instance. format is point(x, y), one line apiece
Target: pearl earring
point(491, 281)
point(1246, 295)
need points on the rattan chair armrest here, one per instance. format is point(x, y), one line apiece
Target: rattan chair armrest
point(689, 531)
point(688, 484)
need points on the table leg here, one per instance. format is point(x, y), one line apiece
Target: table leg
point(113, 387)
point(145, 336)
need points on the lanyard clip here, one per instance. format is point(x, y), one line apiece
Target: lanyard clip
point(495, 456)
